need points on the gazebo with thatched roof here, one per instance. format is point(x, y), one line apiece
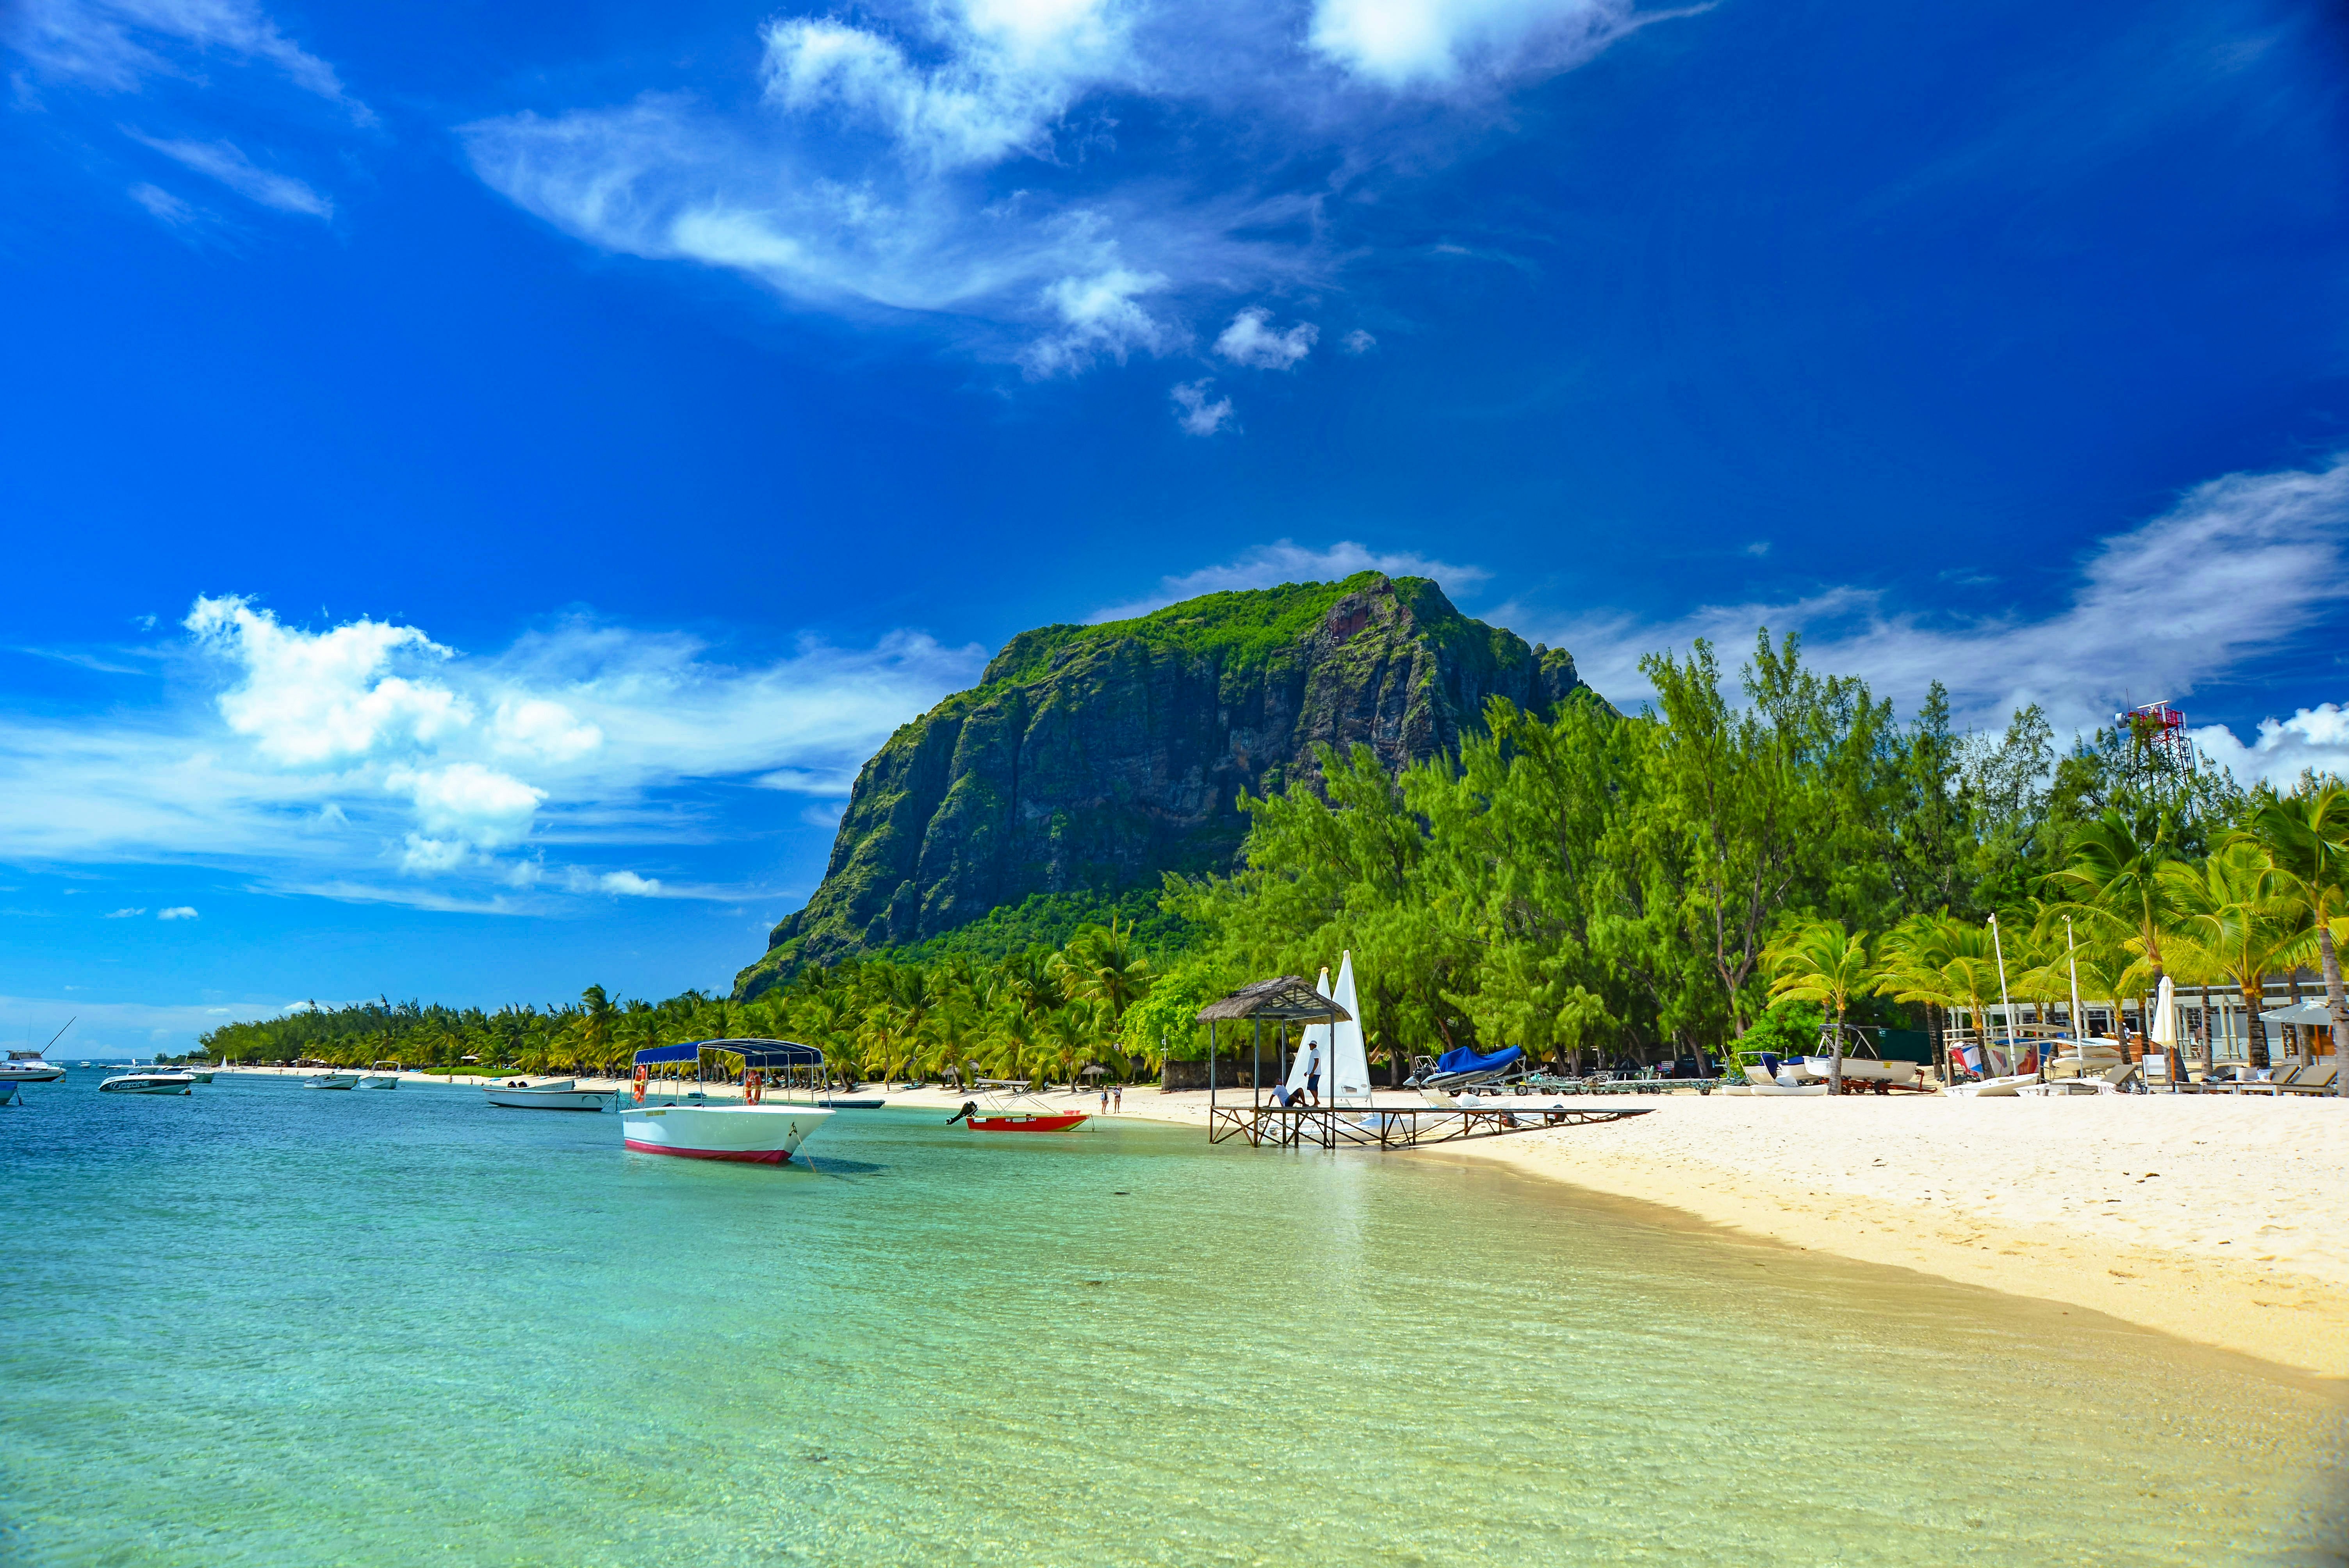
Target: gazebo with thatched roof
point(1285, 999)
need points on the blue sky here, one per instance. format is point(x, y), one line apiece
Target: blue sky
point(478, 480)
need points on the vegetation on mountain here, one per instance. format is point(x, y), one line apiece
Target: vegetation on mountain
point(1091, 760)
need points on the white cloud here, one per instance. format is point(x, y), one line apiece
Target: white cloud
point(1195, 414)
point(1358, 342)
point(354, 759)
point(177, 911)
point(629, 884)
point(1429, 43)
point(2314, 739)
point(313, 696)
point(1249, 340)
point(226, 162)
point(123, 913)
point(166, 207)
point(961, 160)
point(2240, 568)
point(115, 44)
point(1285, 561)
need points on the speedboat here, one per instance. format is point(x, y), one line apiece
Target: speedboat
point(376, 1077)
point(752, 1132)
point(551, 1093)
point(331, 1080)
point(26, 1067)
point(1861, 1069)
point(149, 1083)
point(1009, 1105)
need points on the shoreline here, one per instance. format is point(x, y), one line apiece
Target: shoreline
point(2208, 1217)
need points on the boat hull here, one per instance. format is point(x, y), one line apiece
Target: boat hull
point(748, 1134)
point(1862, 1070)
point(378, 1080)
point(148, 1083)
point(31, 1075)
point(566, 1099)
point(1029, 1121)
point(332, 1081)
point(7, 1090)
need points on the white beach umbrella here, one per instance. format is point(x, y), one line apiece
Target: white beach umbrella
point(2302, 1012)
point(2165, 1015)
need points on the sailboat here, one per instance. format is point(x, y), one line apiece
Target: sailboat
point(1336, 1051)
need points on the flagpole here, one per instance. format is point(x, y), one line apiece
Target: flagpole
point(2004, 1005)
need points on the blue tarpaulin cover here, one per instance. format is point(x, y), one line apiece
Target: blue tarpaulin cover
point(754, 1053)
point(1464, 1060)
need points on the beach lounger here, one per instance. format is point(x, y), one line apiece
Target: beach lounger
point(2315, 1078)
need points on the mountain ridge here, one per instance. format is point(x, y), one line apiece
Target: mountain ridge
point(1091, 758)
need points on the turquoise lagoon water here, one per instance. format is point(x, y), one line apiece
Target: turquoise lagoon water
point(266, 1325)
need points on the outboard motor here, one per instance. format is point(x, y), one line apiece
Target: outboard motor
point(969, 1106)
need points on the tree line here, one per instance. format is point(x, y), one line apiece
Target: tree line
point(1589, 886)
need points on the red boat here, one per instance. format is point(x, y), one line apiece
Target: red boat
point(1004, 1110)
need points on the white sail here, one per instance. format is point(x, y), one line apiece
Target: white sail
point(1348, 1082)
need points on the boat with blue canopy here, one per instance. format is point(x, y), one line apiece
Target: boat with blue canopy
point(766, 1128)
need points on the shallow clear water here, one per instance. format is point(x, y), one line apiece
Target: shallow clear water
point(266, 1325)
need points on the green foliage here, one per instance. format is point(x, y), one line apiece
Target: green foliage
point(1789, 1028)
point(1245, 629)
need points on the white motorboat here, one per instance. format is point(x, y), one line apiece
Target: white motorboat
point(331, 1080)
point(149, 1083)
point(376, 1078)
point(751, 1132)
point(27, 1066)
point(553, 1094)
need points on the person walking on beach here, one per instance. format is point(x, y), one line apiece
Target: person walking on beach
point(1105, 1109)
point(1117, 1099)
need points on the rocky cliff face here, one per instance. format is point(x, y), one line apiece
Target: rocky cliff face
point(1091, 758)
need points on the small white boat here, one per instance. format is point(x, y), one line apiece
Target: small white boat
point(376, 1078)
point(751, 1132)
point(2006, 1087)
point(332, 1081)
point(1758, 1082)
point(553, 1094)
point(1861, 1069)
point(149, 1083)
point(27, 1066)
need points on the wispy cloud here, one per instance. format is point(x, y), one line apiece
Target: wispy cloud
point(115, 46)
point(1251, 341)
point(123, 913)
point(1196, 413)
point(162, 205)
point(961, 160)
point(226, 162)
point(365, 759)
point(177, 911)
point(1285, 561)
point(2238, 569)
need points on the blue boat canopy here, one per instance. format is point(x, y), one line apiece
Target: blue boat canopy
point(754, 1053)
point(1464, 1060)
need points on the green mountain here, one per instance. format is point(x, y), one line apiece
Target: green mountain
point(1091, 758)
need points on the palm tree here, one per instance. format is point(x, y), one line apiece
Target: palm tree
point(2115, 884)
point(2307, 837)
point(2238, 923)
point(1823, 962)
point(1101, 965)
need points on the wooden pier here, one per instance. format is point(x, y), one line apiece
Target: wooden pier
point(1400, 1126)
